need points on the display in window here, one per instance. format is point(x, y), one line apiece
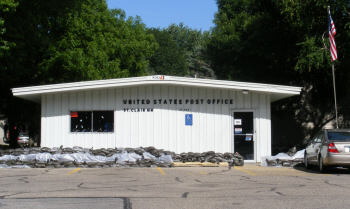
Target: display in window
point(81, 121)
point(103, 121)
point(92, 121)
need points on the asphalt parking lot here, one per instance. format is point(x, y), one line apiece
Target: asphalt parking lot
point(250, 186)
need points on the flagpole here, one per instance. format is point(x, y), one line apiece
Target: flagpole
point(335, 96)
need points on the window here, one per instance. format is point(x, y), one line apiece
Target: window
point(92, 121)
point(339, 136)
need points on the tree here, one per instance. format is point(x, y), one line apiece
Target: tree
point(181, 52)
point(251, 42)
point(316, 106)
point(97, 44)
point(5, 7)
point(65, 41)
point(192, 42)
point(169, 58)
point(283, 42)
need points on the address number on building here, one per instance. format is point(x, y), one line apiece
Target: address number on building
point(185, 110)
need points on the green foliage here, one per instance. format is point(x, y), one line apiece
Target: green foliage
point(181, 52)
point(5, 7)
point(250, 42)
point(192, 42)
point(169, 58)
point(98, 45)
point(64, 41)
point(186, 38)
point(278, 41)
point(311, 56)
point(285, 42)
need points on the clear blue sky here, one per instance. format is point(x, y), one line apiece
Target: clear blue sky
point(196, 14)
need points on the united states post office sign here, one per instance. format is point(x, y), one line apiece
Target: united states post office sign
point(177, 101)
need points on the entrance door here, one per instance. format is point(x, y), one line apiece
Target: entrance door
point(243, 129)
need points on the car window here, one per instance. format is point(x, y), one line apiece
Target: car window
point(339, 136)
point(314, 139)
point(318, 138)
point(23, 134)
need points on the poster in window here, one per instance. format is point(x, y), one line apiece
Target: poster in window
point(238, 121)
point(238, 130)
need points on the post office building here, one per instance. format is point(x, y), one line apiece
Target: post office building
point(172, 113)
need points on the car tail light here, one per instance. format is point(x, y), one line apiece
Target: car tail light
point(332, 148)
point(17, 138)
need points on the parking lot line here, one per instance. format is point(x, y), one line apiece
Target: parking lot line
point(240, 169)
point(160, 170)
point(74, 171)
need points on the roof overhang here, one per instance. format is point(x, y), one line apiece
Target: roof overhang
point(34, 93)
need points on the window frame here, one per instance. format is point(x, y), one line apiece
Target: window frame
point(92, 122)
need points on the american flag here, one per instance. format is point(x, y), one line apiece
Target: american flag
point(331, 33)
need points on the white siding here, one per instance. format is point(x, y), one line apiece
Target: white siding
point(256, 107)
point(164, 118)
point(65, 127)
point(142, 118)
point(187, 129)
point(134, 119)
point(225, 122)
point(262, 118)
point(180, 120)
point(111, 141)
point(164, 127)
point(50, 122)
point(157, 119)
point(195, 140)
point(119, 118)
point(172, 120)
point(202, 118)
point(126, 140)
point(149, 137)
point(57, 137)
point(44, 138)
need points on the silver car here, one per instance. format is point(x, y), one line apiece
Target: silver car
point(23, 139)
point(328, 148)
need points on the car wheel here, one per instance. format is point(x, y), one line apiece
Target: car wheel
point(322, 167)
point(307, 165)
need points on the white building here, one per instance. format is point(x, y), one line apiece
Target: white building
point(172, 113)
point(2, 130)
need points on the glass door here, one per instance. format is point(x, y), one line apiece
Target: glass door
point(243, 133)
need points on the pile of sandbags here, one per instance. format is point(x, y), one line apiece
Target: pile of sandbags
point(210, 156)
point(284, 159)
point(45, 157)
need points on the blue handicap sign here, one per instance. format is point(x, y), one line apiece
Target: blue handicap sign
point(188, 119)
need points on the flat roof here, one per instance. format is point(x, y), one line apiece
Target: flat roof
point(33, 93)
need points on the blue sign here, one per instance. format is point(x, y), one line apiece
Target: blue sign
point(188, 119)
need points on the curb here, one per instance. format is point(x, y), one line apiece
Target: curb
point(198, 164)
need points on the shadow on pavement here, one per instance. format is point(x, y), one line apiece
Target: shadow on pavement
point(314, 169)
point(3, 147)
